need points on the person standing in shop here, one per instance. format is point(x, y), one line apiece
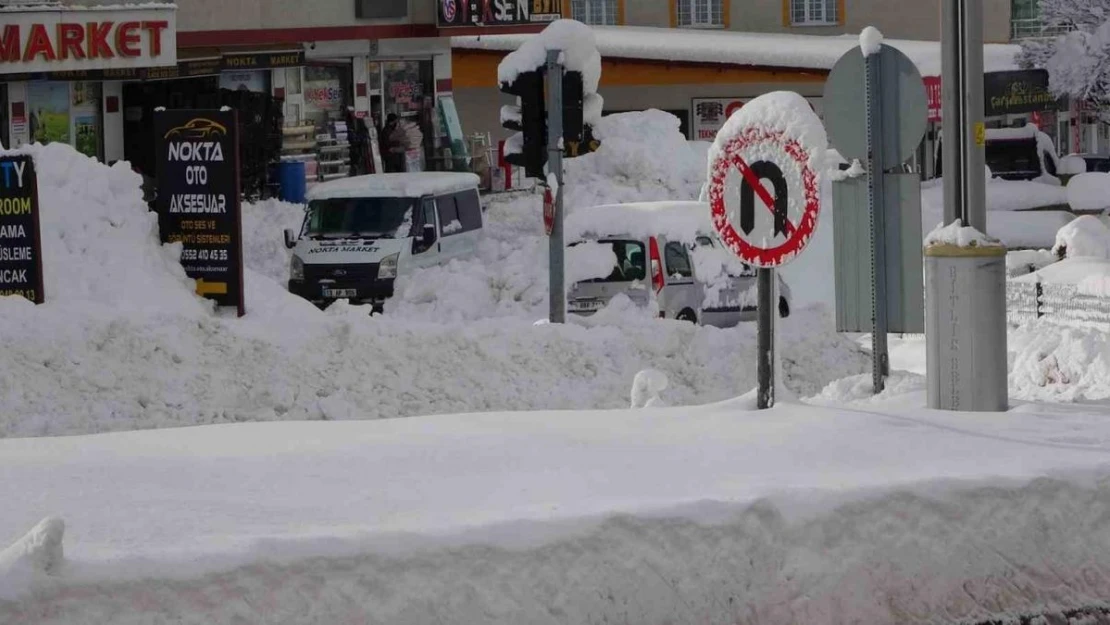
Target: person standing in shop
point(393, 142)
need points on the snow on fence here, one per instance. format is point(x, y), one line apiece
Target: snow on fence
point(1029, 301)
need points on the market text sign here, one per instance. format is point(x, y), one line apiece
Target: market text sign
point(83, 39)
point(20, 240)
point(198, 198)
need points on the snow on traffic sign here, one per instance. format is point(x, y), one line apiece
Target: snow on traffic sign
point(764, 190)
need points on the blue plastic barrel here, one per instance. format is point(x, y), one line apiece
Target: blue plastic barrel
point(291, 177)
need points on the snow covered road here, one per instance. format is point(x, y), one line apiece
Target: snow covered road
point(802, 514)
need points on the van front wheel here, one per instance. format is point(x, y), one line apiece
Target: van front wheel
point(687, 315)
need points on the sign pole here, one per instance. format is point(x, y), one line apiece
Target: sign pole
point(557, 275)
point(963, 148)
point(880, 365)
point(766, 340)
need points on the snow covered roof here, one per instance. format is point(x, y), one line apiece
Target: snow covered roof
point(679, 221)
point(395, 185)
point(743, 48)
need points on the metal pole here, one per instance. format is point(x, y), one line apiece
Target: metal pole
point(765, 342)
point(557, 275)
point(974, 158)
point(880, 361)
point(952, 116)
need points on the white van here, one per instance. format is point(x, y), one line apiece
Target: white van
point(360, 233)
point(661, 254)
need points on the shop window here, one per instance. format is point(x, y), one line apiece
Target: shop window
point(813, 12)
point(326, 93)
point(701, 13)
point(596, 12)
point(48, 112)
point(470, 210)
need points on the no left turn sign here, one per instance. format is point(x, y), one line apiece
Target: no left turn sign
point(764, 195)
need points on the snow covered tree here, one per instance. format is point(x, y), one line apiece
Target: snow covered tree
point(1078, 62)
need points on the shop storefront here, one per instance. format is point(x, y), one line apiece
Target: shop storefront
point(62, 70)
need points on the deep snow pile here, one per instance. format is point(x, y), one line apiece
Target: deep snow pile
point(264, 248)
point(709, 514)
point(643, 157)
point(1089, 191)
point(1055, 363)
point(123, 343)
point(1086, 236)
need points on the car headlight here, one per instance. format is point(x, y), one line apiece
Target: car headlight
point(387, 269)
point(296, 268)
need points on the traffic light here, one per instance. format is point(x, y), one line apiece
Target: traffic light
point(573, 99)
point(528, 149)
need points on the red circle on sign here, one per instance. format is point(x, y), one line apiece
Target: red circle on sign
point(798, 234)
point(732, 108)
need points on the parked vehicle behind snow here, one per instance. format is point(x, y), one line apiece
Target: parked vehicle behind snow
point(1023, 153)
point(663, 254)
point(360, 233)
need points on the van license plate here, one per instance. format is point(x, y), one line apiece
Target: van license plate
point(340, 293)
point(585, 305)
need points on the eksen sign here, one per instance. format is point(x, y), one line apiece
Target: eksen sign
point(75, 39)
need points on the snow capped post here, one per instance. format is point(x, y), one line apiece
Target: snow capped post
point(554, 119)
point(966, 351)
point(879, 248)
point(764, 198)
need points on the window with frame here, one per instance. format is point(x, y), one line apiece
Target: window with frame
point(814, 12)
point(701, 13)
point(678, 261)
point(448, 215)
point(596, 12)
point(470, 210)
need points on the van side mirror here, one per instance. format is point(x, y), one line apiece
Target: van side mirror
point(290, 238)
point(429, 235)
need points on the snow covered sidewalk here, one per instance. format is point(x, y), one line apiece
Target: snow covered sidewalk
point(708, 514)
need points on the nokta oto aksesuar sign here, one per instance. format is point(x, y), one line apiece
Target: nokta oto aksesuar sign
point(20, 239)
point(74, 39)
point(198, 198)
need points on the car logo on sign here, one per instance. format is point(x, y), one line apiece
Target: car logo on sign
point(449, 10)
point(340, 272)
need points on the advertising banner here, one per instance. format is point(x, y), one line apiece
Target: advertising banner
point(20, 238)
point(198, 198)
point(497, 12)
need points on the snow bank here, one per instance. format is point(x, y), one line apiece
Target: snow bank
point(959, 235)
point(394, 185)
point(264, 248)
point(124, 343)
point(1089, 192)
point(678, 221)
point(1084, 236)
point(713, 514)
point(1060, 363)
point(100, 241)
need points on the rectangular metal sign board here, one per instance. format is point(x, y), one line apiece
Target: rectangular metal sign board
point(852, 255)
point(20, 237)
point(198, 198)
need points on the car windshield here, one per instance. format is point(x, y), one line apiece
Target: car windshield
point(1013, 157)
point(383, 218)
point(631, 263)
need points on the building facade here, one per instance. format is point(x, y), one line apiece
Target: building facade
point(309, 78)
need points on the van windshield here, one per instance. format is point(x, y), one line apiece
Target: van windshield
point(631, 261)
point(378, 217)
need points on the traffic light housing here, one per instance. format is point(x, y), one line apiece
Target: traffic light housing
point(573, 100)
point(528, 149)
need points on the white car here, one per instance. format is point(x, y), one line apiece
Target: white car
point(665, 254)
point(360, 233)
